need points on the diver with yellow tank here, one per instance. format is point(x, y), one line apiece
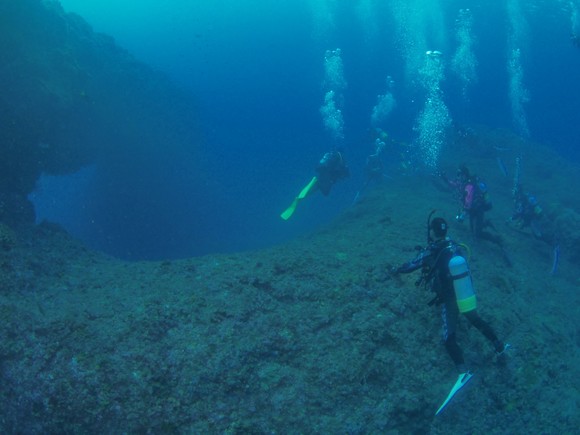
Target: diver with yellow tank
point(445, 272)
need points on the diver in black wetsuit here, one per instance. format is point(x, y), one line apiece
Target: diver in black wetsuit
point(527, 212)
point(474, 202)
point(330, 169)
point(445, 272)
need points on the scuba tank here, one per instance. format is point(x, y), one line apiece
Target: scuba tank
point(464, 294)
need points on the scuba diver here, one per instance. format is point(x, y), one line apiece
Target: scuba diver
point(473, 197)
point(459, 185)
point(329, 170)
point(527, 212)
point(444, 270)
point(374, 165)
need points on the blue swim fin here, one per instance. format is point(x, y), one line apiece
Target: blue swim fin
point(463, 379)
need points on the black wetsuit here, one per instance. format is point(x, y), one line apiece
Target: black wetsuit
point(527, 213)
point(477, 223)
point(330, 169)
point(434, 261)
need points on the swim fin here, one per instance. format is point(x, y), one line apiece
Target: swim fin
point(460, 383)
point(303, 193)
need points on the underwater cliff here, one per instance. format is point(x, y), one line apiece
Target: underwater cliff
point(72, 97)
point(311, 336)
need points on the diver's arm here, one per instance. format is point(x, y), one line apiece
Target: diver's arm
point(415, 264)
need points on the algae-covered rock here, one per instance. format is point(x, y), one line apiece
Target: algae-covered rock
point(315, 336)
point(7, 237)
point(568, 224)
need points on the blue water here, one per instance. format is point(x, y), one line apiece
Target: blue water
point(257, 72)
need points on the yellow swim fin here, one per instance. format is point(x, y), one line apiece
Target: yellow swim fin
point(307, 189)
point(290, 210)
point(303, 193)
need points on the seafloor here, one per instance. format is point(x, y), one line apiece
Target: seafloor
point(314, 336)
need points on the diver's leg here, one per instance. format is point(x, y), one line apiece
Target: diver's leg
point(450, 315)
point(480, 233)
point(472, 226)
point(484, 328)
point(484, 235)
point(536, 229)
point(478, 217)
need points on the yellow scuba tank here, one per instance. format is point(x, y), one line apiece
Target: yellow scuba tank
point(464, 294)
